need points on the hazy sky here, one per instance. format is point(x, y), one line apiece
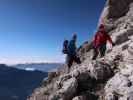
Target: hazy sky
point(33, 30)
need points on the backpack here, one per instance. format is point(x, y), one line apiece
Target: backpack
point(65, 47)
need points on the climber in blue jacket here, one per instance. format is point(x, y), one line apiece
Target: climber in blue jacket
point(71, 52)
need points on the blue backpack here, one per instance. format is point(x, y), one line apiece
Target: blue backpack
point(65, 47)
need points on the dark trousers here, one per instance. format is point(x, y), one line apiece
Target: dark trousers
point(71, 59)
point(100, 49)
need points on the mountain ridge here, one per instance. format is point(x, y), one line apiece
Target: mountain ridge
point(16, 84)
point(45, 67)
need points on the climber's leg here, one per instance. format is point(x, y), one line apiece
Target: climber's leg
point(95, 53)
point(77, 60)
point(102, 50)
point(69, 61)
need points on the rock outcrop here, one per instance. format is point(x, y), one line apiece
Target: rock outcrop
point(110, 78)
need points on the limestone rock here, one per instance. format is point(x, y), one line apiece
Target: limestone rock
point(101, 70)
point(86, 96)
point(67, 91)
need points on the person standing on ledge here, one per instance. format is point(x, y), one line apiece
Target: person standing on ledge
point(100, 41)
point(71, 51)
point(72, 55)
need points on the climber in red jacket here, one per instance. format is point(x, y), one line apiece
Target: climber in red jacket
point(100, 41)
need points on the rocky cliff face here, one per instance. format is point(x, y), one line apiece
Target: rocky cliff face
point(108, 79)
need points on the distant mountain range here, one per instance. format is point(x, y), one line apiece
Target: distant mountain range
point(45, 67)
point(16, 84)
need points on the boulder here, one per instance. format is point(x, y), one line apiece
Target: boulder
point(86, 96)
point(128, 54)
point(130, 48)
point(117, 83)
point(101, 70)
point(120, 86)
point(83, 49)
point(62, 79)
point(128, 95)
point(114, 9)
point(51, 75)
point(67, 91)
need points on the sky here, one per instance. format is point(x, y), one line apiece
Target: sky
point(33, 30)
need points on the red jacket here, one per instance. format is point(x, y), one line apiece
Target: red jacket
point(101, 37)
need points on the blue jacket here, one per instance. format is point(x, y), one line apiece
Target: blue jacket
point(72, 48)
